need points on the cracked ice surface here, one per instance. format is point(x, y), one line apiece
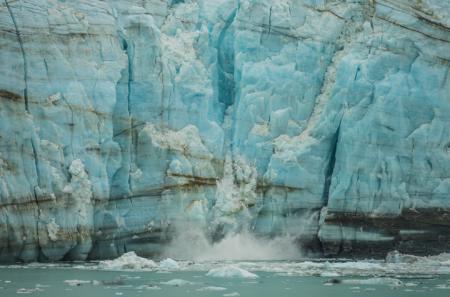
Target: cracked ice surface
point(123, 120)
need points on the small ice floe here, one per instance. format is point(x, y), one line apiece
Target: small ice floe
point(148, 287)
point(177, 282)
point(234, 294)
point(128, 261)
point(77, 282)
point(231, 271)
point(169, 264)
point(211, 288)
point(387, 281)
point(443, 287)
point(28, 291)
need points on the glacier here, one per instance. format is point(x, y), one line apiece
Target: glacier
point(123, 121)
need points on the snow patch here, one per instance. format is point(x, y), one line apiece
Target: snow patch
point(80, 189)
point(186, 140)
point(54, 98)
point(52, 230)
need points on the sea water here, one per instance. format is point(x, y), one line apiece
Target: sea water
point(311, 278)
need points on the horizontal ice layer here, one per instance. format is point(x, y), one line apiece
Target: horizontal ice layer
point(121, 121)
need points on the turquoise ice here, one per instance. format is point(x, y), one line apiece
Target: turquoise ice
point(122, 120)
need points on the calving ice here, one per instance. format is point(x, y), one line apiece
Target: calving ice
point(309, 127)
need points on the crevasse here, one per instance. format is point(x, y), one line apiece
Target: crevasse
point(121, 120)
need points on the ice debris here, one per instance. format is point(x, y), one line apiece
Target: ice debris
point(169, 264)
point(77, 282)
point(128, 261)
point(233, 294)
point(177, 282)
point(393, 282)
point(211, 288)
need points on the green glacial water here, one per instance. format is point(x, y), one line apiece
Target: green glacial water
point(274, 279)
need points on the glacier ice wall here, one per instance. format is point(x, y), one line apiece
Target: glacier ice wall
point(121, 120)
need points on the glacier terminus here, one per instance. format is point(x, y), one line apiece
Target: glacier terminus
point(121, 122)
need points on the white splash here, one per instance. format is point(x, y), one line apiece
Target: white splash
point(231, 271)
point(230, 214)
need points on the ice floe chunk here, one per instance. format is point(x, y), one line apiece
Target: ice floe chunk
point(128, 261)
point(231, 271)
point(169, 264)
point(76, 282)
point(177, 282)
point(211, 288)
point(388, 281)
point(28, 291)
point(233, 294)
point(148, 287)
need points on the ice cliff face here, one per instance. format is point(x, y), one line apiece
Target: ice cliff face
point(121, 120)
